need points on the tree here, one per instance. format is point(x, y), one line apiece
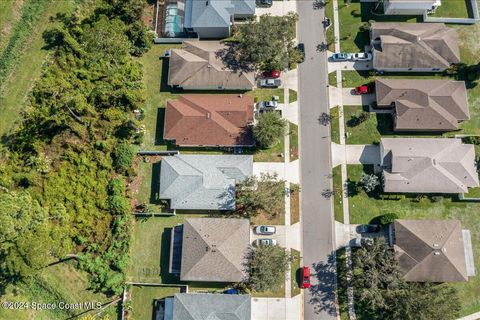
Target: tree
point(269, 129)
point(260, 194)
point(268, 43)
point(388, 218)
point(123, 156)
point(369, 182)
point(266, 268)
point(140, 38)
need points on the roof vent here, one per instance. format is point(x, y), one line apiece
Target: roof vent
point(208, 115)
point(240, 95)
point(435, 244)
point(436, 253)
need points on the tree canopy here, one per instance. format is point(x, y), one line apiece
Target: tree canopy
point(269, 129)
point(268, 43)
point(267, 267)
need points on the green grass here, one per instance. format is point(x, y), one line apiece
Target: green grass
point(337, 197)
point(453, 9)
point(293, 141)
point(143, 297)
point(473, 193)
point(330, 36)
point(9, 15)
point(264, 94)
point(332, 78)
point(292, 95)
point(27, 66)
point(294, 272)
point(352, 78)
point(334, 125)
point(366, 132)
point(275, 153)
point(148, 175)
point(279, 293)
point(364, 208)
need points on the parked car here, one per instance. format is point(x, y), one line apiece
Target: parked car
point(272, 74)
point(368, 228)
point(265, 242)
point(264, 3)
point(267, 105)
point(361, 242)
point(231, 291)
point(265, 230)
point(362, 56)
point(342, 56)
point(363, 90)
point(301, 48)
point(305, 278)
point(269, 83)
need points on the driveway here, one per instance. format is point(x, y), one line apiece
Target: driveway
point(277, 308)
point(288, 172)
point(347, 97)
point(278, 8)
point(290, 111)
point(362, 154)
point(345, 233)
point(348, 65)
point(287, 236)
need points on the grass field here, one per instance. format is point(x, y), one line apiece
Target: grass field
point(364, 208)
point(27, 66)
point(295, 272)
point(143, 297)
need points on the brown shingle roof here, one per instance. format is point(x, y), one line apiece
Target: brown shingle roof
point(210, 120)
point(214, 249)
point(424, 105)
point(197, 66)
point(430, 250)
point(414, 45)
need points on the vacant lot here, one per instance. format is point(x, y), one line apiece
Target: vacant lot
point(143, 298)
point(365, 207)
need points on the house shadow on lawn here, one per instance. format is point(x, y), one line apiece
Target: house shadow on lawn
point(159, 141)
point(155, 183)
point(165, 275)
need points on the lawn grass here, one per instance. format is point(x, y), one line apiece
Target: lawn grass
point(366, 132)
point(9, 15)
point(337, 197)
point(292, 95)
point(295, 272)
point(278, 293)
point(27, 67)
point(293, 131)
point(330, 35)
point(332, 78)
point(353, 78)
point(270, 218)
point(275, 153)
point(143, 297)
point(335, 125)
point(294, 205)
point(61, 282)
point(148, 175)
point(364, 208)
point(266, 94)
point(453, 9)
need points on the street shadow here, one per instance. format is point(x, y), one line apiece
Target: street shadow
point(323, 293)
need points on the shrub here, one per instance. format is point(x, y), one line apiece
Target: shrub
point(388, 218)
point(270, 128)
point(369, 182)
point(123, 156)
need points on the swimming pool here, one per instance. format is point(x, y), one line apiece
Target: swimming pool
point(173, 21)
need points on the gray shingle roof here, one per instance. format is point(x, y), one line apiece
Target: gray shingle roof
point(207, 306)
point(414, 45)
point(418, 165)
point(424, 104)
point(430, 250)
point(203, 182)
point(214, 249)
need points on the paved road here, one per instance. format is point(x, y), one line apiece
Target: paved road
point(315, 167)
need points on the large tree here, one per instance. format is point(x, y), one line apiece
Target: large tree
point(268, 43)
point(267, 267)
point(269, 129)
point(382, 293)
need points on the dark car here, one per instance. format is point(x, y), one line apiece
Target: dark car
point(301, 48)
point(368, 228)
point(231, 291)
point(264, 3)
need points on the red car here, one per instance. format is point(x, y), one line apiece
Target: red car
point(272, 74)
point(305, 278)
point(362, 90)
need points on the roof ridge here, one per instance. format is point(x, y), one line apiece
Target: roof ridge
point(432, 52)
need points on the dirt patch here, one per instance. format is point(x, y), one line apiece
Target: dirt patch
point(148, 15)
point(294, 207)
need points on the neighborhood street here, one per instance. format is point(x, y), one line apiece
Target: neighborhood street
point(315, 167)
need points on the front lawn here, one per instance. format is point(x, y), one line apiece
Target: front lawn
point(353, 78)
point(264, 94)
point(275, 153)
point(364, 208)
point(366, 132)
point(143, 297)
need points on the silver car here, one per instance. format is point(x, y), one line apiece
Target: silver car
point(267, 105)
point(362, 56)
point(265, 242)
point(265, 230)
point(270, 83)
point(361, 242)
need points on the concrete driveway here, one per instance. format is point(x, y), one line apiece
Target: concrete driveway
point(347, 97)
point(348, 65)
point(285, 171)
point(278, 8)
point(345, 233)
point(290, 79)
point(287, 236)
point(362, 154)
point(290, 111)
point(277, 308)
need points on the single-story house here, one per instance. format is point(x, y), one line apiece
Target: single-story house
point(413, 47)
point(199, 66)
point(203, 182)
point(410, 7)
point(424, 104)
point(210, 120)
point(210, 249)
point(212, 19)
point(433, 250)
point(205, 306)
point(427, 165)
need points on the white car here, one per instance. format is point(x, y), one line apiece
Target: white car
point(361, 242)
point(362, 56)
point(265, 242)
point(266, 230)
point(267, 105)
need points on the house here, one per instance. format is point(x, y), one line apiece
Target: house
point(410, 7)
point(198, 66)
point(212, 19)
point(433, 250)
point(210, 249)
point(205, 306)
point(423, 165)
point(424, 105)
point(210, 120)
point(203, 182)
point(413, 47)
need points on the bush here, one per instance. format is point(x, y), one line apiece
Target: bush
point(270, 128)
point(388, 218)
point(123, 157)
point(472, 140)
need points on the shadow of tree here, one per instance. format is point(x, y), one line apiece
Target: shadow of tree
point(323, 293)
point(228, 55)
